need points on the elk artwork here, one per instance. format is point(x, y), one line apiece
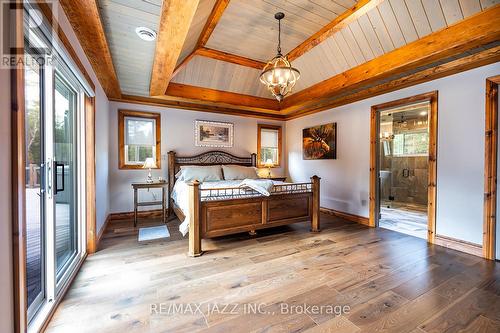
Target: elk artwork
point(319, 142)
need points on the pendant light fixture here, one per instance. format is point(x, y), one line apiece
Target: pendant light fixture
point(278, 75)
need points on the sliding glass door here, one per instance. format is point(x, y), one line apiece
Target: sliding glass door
point(52, 231)
point(64, 182)
point(35, 198)
point(55, 91)
point(55, 217)
point(53, 223)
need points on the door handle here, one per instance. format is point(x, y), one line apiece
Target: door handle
point(42, 180)
point(56, 186)
point(406, 173)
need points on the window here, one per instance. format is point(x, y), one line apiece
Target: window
point(139, 138)
point(411, 144)
point(268, 145)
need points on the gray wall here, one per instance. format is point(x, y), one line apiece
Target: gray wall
point(461, 117)
point(177, 133)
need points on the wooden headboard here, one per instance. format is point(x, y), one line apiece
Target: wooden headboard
point(213, 157)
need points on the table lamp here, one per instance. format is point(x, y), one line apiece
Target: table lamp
point(269, 164)
point(148, 164)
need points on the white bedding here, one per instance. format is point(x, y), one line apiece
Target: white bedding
point(180, 195)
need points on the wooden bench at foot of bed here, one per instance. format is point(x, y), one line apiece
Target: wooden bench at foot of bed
point(212, 218)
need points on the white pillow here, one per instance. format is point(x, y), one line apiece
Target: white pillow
point(235, 172)
point(201, 173)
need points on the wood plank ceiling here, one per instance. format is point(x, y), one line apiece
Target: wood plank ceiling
point(375, 33)
point(391, 25)
point(229, 41)
point(249, 29)
point(132, 57)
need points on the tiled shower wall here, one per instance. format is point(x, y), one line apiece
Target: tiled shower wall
point(410, 189)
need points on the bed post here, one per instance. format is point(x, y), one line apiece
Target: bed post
point(253, 156)
point(315, 227)
point(194, 223)
point(171, 180)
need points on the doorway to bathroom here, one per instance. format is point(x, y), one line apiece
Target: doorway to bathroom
point(403, 158)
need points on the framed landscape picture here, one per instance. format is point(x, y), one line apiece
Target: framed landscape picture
point(213, 134)
point(320, 142)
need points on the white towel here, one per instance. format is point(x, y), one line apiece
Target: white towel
point(263, 186)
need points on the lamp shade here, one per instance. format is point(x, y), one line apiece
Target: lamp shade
point(269, 163)
point(149, 163)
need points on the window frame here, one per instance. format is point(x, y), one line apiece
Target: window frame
point(278, 128)
point(122, 114)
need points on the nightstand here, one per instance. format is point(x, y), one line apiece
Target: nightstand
point(164, 196)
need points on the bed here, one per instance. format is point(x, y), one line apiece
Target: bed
point(224, 208)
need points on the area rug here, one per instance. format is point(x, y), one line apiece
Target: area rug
point(153, 233)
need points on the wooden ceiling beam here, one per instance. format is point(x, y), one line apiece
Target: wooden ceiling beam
point(46, 9)
point(219, 55)
point(183, 63)
point(175, 20)
point(466, 63)
point(228, 57)
point(213, 19)
point(193, 106)
point(473, 32)
point(189, 93)
point(341, 21)
point(84, 17)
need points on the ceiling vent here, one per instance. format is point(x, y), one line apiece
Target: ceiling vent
point(145, 34)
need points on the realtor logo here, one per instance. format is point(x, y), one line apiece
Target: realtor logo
point(14, 13)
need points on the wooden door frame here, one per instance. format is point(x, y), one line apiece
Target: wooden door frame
point(432, 97)
point(18, 160)
point(90, 179)
point(490, 167)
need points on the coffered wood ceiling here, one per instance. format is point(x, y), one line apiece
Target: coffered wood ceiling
point(390, 25)
point(345, 49)
point(249, 29)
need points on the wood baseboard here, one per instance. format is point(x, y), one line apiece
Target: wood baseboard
point(459, 245)
point(346, 216)
point(122, 224)
point(101, 232)
point(155, 213)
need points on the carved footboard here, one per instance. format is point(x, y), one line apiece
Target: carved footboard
point(224, 211)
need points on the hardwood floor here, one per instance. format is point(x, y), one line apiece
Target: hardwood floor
point(360, 279)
